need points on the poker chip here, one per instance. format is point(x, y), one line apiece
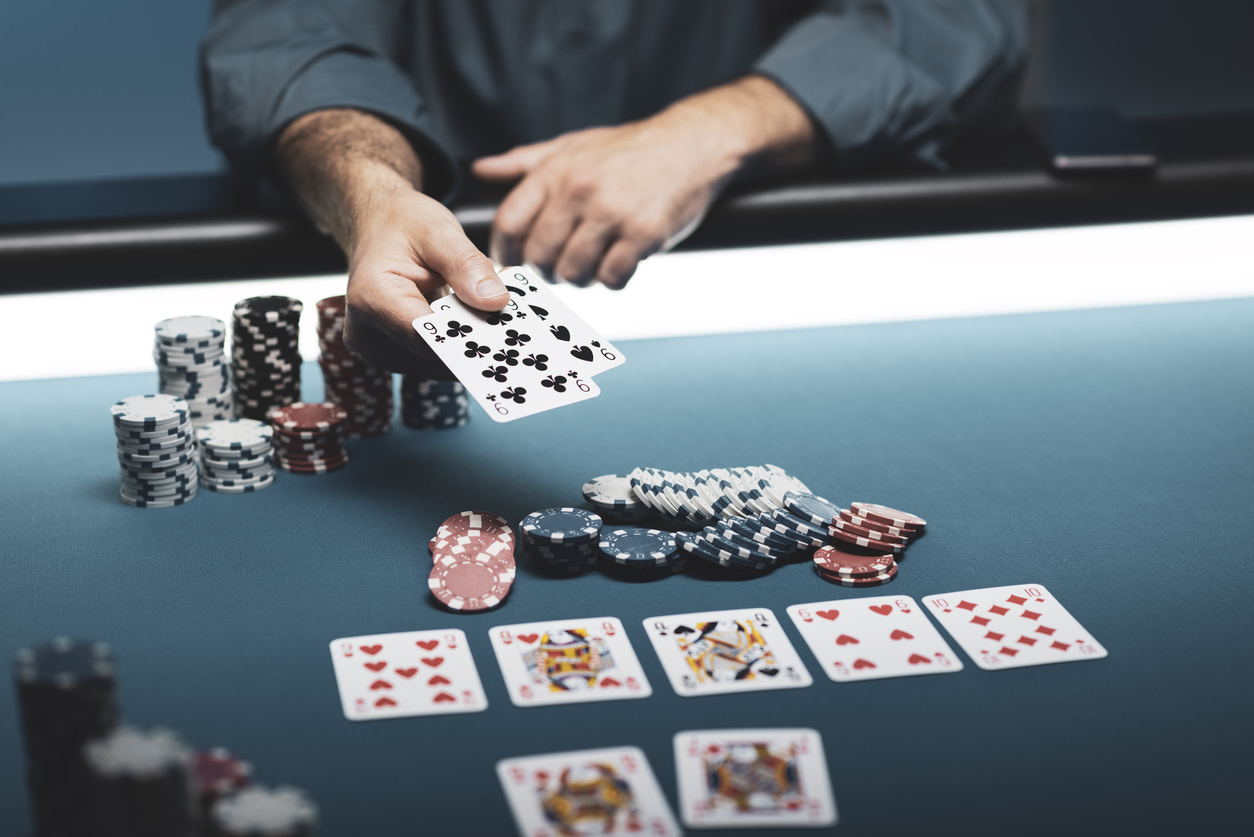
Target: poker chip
point(887, 516)
point(703, 549)
point(701, 498)
point(161, 473)
point(863, 532)
point(258, 811)
point(236, 456)
point(477, 524)
point(615, 500)
point(836, 560)
point(861, 581)
point(192, 365)
point(562, 526)
point(140, 782)
point(362, 391)
point(875, 525)
point(309, 438)
point(469, 583)
point(433, 405)
point(864, 542)
point(636, 547)
point(215, 774)
point(265, 354)
point(811, 508)
point(812, 534)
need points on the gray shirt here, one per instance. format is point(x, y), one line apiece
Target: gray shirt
point(465, 78)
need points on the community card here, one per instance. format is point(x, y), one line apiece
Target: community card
point(1012, 627)
point(403, 674)
point(726, 651)
point(767, 778)
point(568, 661)
point(610, 791)
point(868, 639)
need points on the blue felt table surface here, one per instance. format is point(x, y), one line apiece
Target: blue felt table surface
point(1108, 455)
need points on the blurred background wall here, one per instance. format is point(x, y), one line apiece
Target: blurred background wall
point(98, 89)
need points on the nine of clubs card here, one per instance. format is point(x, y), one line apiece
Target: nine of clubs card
point(404, 674)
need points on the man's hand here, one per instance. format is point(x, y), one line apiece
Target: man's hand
point(592, 204)
point(360, 180)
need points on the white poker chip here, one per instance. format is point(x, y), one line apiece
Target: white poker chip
point(613, 490)
point(236, 434)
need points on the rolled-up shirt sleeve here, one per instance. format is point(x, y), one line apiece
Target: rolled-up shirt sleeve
point(899, 78)
point(265, 63)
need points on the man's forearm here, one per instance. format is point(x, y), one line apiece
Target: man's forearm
point(336, 162)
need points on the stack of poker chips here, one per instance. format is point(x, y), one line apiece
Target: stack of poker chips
point(563, 540)
point(265, 354)
point(66, 696)
point(614, 499)
point(703, 498)
point(642, 551)
point(191, 363)
point(156, 449)
point(236, 456)
point(141, 784)
point(263, 812)
point(864, 541)
point(216, 774)
point(472, 561)
point(363, 391)
point(309, 438)
point(433, 405)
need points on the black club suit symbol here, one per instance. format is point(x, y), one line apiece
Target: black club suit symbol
point(509, 357)
point(456, 329)
point(516, 394)
point(515, 338)
point(499, 317)
point(539, 361)
point(556, 382)
point(476, 350)
point(500, 374)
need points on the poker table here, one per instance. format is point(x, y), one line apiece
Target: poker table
point(1105, 454)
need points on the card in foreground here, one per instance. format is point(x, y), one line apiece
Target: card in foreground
point(726, 651)
point(568, 661)
point(869, 639)
point(1012, 627)
point(609, 791)
point(403, 674)
point(771, 778)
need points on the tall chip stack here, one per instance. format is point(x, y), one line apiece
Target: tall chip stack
point(191, 363)
point(309, 438)
point(66, 697)
point(257, 811)
point(141, 785)
point(433, 405)
point(363, 391)
point(156, 447)
point(265, 354)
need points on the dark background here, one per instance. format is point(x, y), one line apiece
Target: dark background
point(100, 90)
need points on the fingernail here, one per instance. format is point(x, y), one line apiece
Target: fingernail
point(489, 288)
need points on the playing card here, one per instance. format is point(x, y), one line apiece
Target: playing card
point(568, 661)
point(583, 347)
point(868, 639)
point(772, 778)
point(726, 651)
point(1012, 627)
point(610, 791)
point(403, 674)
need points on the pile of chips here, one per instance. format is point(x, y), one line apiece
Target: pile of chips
point(191, 363)
point(703, 498)
point(433, 405)
point(472, 561)
point(642, 551)
point(361, 390)
point(156, 449)
point(272, 812)
point(309, 438)
point(140, 775)
point(614, 499)
point(236, 456)
point(265, 354)
point(218, 773)
point(864, 540)
point(562, 540)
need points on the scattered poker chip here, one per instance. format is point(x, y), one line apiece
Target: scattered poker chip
point(748, 528)
point(633, 545)
point(469, 583)
point(364, 392)
point(698, 546)
point(611, 490)
point(861, 581)
point(815, 535)
point(871, 534)
point(812, 508)
point(868, 523)
point(839, 561)
point(866, 543)
point(477, 523)
point(433, 405)
point(755, 554)
point(887, 516)
point(562, 525)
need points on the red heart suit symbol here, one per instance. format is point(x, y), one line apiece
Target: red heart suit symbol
point(439, 680)
point(916, 659)
point(384, 701)
point(860, 663)
point(371, 649)
point(407, 672)
point(380, 684)
point(528, 638)
point(610, 681)
point(444, 697)
point(428, 644)
point(900, 634)
point(827, 614)
point(379, 666)
point(845, 639)
point(882, 610)
point(434, 662)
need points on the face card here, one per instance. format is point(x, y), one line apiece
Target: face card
point(403, 674)
point(731, 778)
point(869, 639)
point(609, 791)
point(726, 651)
point(1012, 627)
point(568, 661)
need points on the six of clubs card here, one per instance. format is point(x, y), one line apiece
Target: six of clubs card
point(753, 777)
point(610, 791)
point(568, 661)
point(867, 639)
point(726, 651)
point(403, 674)
point(1012, 627)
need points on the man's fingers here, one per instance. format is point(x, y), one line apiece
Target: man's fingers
point(583, 252)
point(467, 271)
point(548, 236)
point(514, 218)
point(513, 164)
point(620, 262)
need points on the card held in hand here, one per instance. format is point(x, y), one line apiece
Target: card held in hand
point(403, 674)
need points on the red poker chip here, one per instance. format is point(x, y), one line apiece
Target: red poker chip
point(465, 545)
point(477, 522)
point(303, 417)
point(875, 525)
point(302, 468)
point(312, 455)
point(865, 543)
point(475, 582)
point(863, 532)
point(217, 772)
point(862, 581)
point(839, 561)
point(887, 516)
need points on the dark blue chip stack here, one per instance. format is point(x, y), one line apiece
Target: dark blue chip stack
point(265, 354)
point(433, 405)
point(563, 540)
point(142, 784)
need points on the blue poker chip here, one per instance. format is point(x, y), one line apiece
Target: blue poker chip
point(633, 545)
point(562, 526)
point(774, 550)
point(811, 533)
point(755, 553)
point(811, 508)
point(753, 530)
point(703, 549)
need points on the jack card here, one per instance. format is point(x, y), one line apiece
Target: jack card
point(568, 661)
point(726, 651)
point(403, 674)
point(1013, 627)
point(869, 639)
